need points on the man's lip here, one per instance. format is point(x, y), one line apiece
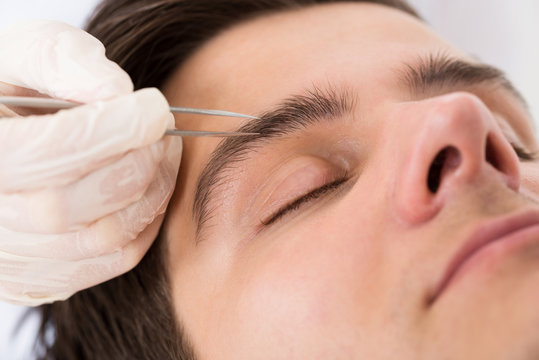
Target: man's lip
point(483, 235)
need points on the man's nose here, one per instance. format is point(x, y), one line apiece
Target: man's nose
point(456, 143)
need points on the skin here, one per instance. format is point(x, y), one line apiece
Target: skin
point(348, 276)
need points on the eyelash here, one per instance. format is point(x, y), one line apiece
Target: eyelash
point(524, 154)
point(310, 196)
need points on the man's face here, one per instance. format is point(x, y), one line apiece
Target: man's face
point(333, 235)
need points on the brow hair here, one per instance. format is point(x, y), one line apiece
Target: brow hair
point(444, 71)
point(294, 113)
point(433, 72)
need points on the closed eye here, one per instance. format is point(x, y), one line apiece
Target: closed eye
point(524, 154)
point(304, 199)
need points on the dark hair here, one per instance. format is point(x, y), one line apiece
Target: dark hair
point(132, 316)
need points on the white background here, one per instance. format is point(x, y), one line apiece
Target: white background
point(500, 32)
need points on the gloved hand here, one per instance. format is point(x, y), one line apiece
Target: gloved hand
point(82, 191)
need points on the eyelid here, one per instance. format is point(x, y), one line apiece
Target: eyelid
point(293, 179)
point(523, 154)
point(508, 130)
point(510, 134)
point(304, 199)
point(311, 174)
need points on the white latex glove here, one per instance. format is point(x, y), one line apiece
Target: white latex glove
point(82, 191)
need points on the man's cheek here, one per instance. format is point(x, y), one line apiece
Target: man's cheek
point(291, 308)
point(530, 179)
point(299, 290)
point(287, 287)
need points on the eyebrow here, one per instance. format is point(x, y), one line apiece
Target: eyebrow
point(439, 71)
point(436, 71)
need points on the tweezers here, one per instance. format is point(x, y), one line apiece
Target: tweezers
point(62, 104)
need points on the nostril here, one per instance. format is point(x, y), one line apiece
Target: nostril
point(491, 155)
point(447, 159)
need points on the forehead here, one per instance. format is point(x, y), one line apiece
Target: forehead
point(257, 63)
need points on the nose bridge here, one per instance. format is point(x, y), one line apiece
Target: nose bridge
point(455, 142)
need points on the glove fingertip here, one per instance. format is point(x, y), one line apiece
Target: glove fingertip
point(87, 78)
point(153, 113)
